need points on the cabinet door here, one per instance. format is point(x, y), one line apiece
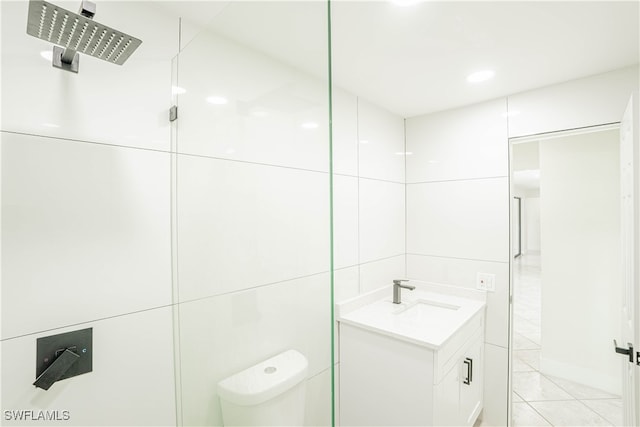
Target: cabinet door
point(471, 383)
point(447, 400)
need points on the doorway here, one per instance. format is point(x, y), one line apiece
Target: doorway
point(566, 279)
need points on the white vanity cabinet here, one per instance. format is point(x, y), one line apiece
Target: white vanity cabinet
point(389, 378)
point(459, 395)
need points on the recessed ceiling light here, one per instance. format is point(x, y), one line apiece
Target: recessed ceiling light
point(480, 76)
point(50, 125)
point(404, 153)
point(309, 125)
point(364, 141)
point(217, 100)
point(177, 90)
point(259, 113)
point(47, 54)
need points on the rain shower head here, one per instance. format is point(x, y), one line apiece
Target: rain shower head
point(77, 33)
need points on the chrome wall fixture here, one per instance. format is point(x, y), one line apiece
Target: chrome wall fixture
point(72, 33)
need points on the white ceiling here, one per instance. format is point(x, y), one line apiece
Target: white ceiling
point(414, 60)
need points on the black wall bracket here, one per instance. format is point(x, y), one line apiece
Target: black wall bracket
point(63, 356)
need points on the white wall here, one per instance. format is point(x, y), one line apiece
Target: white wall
point(475, 222)
point(580, 222)
point(369, 200)
point(458, 219)
point(86, 229)
point(578, 103)
point(252, 218)
point(253, 215)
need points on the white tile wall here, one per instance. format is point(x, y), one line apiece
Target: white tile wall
point(131, 383)
point(463, 272)
point(318, 397)
point(272, 113)
point(496, 371)
point(381, 219)
point(345, 221)
point(459, 219)
point(381, 143)
point(589, 101)
point(95, 104)
point(86, 232)
point(346, 283)
point(225, 334)
point(344, 132)
point(443, 149)
point(381, 273)
point(233, 214)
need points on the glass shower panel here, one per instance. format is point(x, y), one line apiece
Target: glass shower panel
point(252, 207)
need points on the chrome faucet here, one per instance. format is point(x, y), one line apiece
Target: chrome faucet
point(397, 284)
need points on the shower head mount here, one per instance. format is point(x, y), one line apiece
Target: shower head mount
point(72, 33)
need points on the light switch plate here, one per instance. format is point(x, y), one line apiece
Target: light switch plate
point(486, 282)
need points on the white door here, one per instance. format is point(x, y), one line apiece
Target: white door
point(630, 223)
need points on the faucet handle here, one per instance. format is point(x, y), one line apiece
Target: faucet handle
point(399, 281)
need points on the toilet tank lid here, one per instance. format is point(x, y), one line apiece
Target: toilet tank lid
point(265, 380)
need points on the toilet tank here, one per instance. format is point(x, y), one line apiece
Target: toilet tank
point(267, 394)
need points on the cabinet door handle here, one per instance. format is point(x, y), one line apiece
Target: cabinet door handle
point(469, 362)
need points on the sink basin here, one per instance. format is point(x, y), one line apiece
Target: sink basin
point(428, 316)
point(429, 311)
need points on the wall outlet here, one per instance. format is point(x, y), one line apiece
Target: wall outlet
point(486, 282)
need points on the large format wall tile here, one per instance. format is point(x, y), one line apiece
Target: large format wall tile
point(463, 272)
point(377, 274)
point(345, 221)
point(381, 219)
point(226, 334)
point(132, 382)
point(124, 105)
point(465, 143)
point(240, 104)
point(242, 225)
point(318, 396)
point(381, 143)
point(496, 385)
point(459, 219)
point(86, 232)
point(346, 283)
point(344, 132)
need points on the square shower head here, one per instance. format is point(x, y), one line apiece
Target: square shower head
point(79, 33)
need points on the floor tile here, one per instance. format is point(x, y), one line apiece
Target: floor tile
point(569, 413)
point(522, 343)
point(525, 415)
point(609, 409)
point(545, 400)
point(532, 386)
point(530, 357)
point(580, 391)
point(520, 366)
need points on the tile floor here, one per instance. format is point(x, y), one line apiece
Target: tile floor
point(538, 399)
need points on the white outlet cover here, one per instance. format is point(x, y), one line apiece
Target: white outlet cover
point(486, 282)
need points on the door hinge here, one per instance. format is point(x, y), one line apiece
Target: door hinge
point(173, 113)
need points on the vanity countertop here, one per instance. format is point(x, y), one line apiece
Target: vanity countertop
point(428, 316)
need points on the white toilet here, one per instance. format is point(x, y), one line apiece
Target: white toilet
point(267, 394)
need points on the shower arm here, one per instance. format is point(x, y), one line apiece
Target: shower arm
point(68, 57)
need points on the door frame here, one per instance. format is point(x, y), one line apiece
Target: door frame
point(521, 140)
